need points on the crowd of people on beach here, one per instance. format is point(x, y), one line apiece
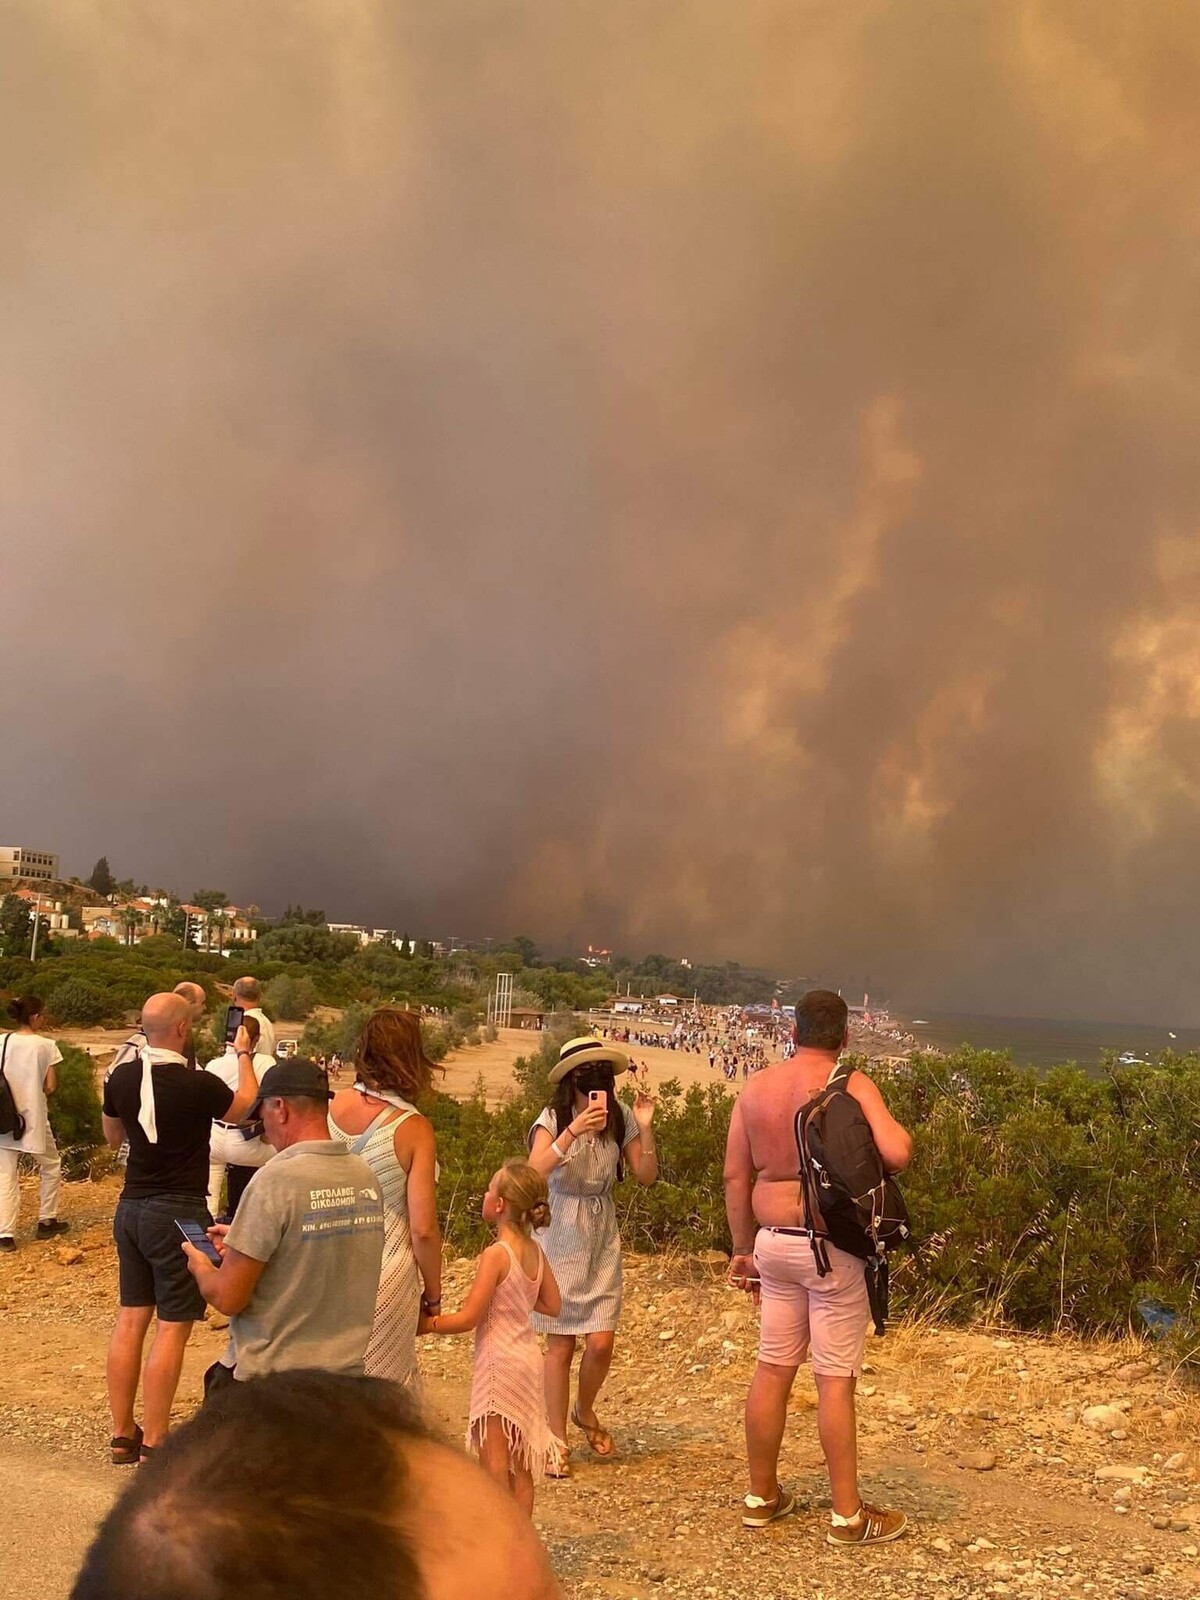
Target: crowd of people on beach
point(734, 1045)
point(306, 1214)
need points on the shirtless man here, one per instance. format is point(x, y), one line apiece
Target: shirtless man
point(801, 1311)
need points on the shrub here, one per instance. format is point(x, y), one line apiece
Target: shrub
point(74, 1110)
point(290, 999)
point(77, 1003)
point(1061, 1200)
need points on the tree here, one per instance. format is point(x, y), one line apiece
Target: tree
point(290, 999)
point(78, 1002)
point(102, 879)
point(305, 945)
point(210, 899)
point(132, 918)
point(405, 947)
point(297, 914)
point(220, 922)
point(16, 926)
point(525, 948)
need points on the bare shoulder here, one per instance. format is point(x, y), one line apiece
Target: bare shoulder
point(496, 1261)
point(861, 1085)
point(342, 1102)
point(413, 1134)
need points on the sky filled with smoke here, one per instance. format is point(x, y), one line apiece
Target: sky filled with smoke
point(704, 477)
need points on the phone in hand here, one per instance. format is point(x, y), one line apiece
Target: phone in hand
point(195, 1234)
point(597, 1097)
point(233, 1021)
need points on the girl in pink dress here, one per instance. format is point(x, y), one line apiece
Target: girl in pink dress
point(507, 1426)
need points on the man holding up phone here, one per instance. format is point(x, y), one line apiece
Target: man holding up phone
point(165, 1109)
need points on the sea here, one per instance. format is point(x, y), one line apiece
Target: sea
point(1044, 1042)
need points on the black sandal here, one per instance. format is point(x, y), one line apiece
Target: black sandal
point(127, 1452)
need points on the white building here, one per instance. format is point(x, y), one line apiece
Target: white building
point(19, 864)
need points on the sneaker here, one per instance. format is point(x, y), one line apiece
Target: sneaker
point(758, 1513)
point(51, 1229)
point(871, 1526)
point(8, 1243)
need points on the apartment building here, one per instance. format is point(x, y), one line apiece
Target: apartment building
point(18, 864)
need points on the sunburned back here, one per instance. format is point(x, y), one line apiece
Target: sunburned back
point(769, 1104)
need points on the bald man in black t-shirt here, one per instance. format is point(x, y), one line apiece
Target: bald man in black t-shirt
point(164, 1108)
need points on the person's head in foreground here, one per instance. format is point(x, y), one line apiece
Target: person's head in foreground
point(314, 1487)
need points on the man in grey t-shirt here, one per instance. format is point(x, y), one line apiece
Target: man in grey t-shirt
point(300, 1262)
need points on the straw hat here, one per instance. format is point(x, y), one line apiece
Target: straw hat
point(579, 1052)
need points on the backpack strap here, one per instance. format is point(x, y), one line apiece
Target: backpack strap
point(816, 1241)
point(843, 1071)
point(19, 1123)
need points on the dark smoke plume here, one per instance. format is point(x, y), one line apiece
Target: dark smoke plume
point(713, 477)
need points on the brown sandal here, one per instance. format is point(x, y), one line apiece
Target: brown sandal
point(595, 1436)
point(126, 1452)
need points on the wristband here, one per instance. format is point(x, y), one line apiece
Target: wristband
point(558, 1150)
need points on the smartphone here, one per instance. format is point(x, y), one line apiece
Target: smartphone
point(597, 1097)
point(233, 1021)
point(195, 1234)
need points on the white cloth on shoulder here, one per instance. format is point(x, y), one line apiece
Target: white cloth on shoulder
point(151, 1056)
point(397, 1100)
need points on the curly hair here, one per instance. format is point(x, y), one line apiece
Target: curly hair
point(390, 1054)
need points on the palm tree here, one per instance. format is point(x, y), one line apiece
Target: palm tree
point(132, 918)
point(220, 922)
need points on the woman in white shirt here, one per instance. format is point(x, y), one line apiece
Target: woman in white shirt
point(229, 1155)
point(28, 1062)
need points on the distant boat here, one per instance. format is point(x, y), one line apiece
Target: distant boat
point(920, 1022)
point(1129, 1059)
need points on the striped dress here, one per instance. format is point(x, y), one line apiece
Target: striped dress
point(508, 1380)
point(392, 1351)
point(583, 1243)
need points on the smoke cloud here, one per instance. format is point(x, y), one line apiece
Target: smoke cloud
point(719, 478)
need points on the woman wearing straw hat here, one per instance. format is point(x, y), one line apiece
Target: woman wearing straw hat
point(581, 1143)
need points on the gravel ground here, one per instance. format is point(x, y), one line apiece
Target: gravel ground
point(1015, 1483)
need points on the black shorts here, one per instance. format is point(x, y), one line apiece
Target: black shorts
point(152, 1268)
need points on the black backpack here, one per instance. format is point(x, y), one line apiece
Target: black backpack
point(11, 1120)
point(843, 1178)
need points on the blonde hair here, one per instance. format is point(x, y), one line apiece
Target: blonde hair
point(524, 1190)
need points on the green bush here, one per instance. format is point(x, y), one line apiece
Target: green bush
point(74, 1109)
point(77, 1003)
point(290, 999)
point(1049, 1201)
point(1055, 1200)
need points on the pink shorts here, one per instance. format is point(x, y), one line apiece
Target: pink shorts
point(800, 1309)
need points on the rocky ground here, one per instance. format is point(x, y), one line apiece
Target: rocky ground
point(1028, 1466)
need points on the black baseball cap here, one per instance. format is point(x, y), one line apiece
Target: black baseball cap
point(296, 1076)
